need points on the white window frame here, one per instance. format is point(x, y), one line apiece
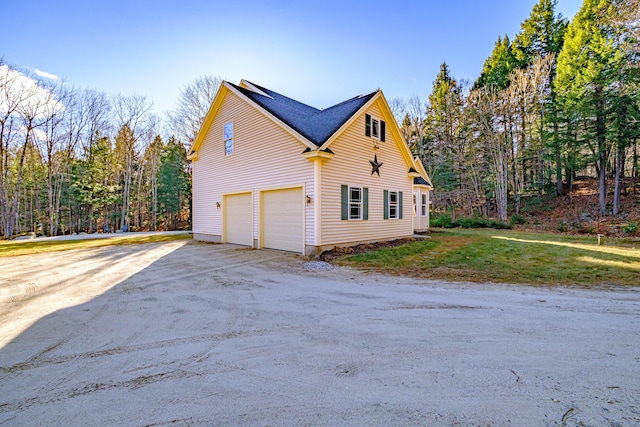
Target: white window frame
point(228, 149)
point(395, 205)
point(424, 205)
point(375, 128)
point(358, 204)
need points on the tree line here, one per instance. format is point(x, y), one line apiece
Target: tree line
point(560, 100)
point(78, 160)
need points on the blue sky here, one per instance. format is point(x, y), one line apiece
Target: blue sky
point(319, 53)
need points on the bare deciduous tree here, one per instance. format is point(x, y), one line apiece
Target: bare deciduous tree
point(399, 109)
point(26, 107)
point(487, 108)
point(136, 125)
point(417, 114)
point(193, 104)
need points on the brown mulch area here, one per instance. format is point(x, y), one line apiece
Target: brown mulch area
point(338, 252)
point(578, 212)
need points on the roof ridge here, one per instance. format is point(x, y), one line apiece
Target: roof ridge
point(311, 123)
point(269, 91)
point(355, 98)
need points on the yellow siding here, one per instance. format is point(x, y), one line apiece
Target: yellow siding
point(350, 166)
point(265, 156)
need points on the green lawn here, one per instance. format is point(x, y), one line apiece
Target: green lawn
point(509, 257)
point(26, 247)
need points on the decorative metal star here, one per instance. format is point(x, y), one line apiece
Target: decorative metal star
point(376, 165)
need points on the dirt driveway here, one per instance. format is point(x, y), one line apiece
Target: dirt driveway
point(184, 333)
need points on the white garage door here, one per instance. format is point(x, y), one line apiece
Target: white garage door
point(239, 223)
point(282, 213)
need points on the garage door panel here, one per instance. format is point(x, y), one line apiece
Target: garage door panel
point(239, 219)
point(283, 219)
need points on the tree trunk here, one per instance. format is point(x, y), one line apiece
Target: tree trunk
point(634, 168)
point(616, 192)
point(502, 180)
point(12, 216)
point(50, 191)
point(558, 159)
point(125, 194)
point(154, 191)
point(602, 149)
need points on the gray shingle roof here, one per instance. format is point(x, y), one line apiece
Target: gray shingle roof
point(314, 124)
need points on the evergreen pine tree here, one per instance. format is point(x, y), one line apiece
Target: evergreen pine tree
point(443, 119)
point(496, 70)
point(588, 66)
point(541, 33)
point(173, 181)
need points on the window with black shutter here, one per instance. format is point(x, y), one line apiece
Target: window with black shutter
point(374, 127)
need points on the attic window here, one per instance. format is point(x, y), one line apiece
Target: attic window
point(375, 128)
point(228, 138)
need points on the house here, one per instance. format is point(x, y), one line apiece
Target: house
point(272, 172)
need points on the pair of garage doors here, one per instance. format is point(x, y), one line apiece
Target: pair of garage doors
point(281, 219)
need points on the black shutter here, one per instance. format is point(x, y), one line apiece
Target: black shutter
point(400, 204)
point(382, 136)
point(386, 204)
point(345, 202)
point(365, 203)
point(367, 125)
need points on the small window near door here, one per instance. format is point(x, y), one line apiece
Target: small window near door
point(393, 205)
point(228, 139)
point(424, 205)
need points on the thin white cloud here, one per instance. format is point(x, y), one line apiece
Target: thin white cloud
point(45, 74)
point(24, 95)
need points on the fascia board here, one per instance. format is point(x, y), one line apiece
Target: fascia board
point(213, 109)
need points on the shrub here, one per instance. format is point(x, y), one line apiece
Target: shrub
point(500, 225)
point(469, 223)
point(630, 228)
point(445, 221)
point(442, 220)
point(586, 228)
point(517, 219)
point(563, 227)
point(479, 223)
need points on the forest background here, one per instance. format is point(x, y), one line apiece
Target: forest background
point(546, 136)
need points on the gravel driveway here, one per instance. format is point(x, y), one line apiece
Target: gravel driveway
point(185, 333)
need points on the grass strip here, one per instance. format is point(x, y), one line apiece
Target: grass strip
point(26, 247)
point(509, 257)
